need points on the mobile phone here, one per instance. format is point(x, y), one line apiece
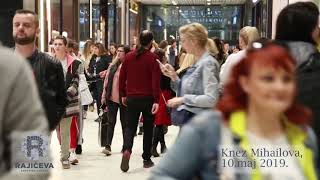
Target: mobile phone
point(159, 62)
point(162, 66)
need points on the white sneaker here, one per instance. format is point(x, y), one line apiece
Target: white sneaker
point(84, 116)
point(73, 158)
point(65, 164)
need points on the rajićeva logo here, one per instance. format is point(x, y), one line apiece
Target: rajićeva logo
point(35, 147)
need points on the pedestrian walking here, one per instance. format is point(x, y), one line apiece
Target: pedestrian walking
point(47, 70)
point(162, 117)
point(71, 74)
point(140, 90)
point(98, 64)
point(197, 89)
point(298, 30)
point(111, 99)
point(21, 115)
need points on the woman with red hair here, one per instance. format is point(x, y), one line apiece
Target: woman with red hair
point(256, 126)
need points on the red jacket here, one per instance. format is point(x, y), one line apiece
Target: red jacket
point(140, 76)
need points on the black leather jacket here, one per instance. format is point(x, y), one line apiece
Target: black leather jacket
point(51, 85)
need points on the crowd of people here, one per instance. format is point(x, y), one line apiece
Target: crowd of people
point(264, 93)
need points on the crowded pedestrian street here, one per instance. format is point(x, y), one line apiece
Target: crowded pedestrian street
point(95, 165)
point(160, 90)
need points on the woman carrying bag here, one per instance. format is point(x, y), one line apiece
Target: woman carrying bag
point(197, 90)
point(71, 73)
point(110, 100)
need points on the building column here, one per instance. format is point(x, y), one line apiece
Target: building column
point(124, 12)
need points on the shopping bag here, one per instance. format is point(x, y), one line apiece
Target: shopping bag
point(102, 133)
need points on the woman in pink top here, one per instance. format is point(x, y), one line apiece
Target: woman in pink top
point(111, 99)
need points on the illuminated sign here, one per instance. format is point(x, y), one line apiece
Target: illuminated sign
point(133, 7)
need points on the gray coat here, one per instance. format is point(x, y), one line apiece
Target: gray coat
point(21, 113)
point(200, 86)
point(301, 51)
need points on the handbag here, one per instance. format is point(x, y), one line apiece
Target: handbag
point(182, 116)
point(85, 95)
point(102, 131)
point(73, 108)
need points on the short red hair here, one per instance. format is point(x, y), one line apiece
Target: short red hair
point(234, 98)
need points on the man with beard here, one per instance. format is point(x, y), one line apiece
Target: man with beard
point(47, 70)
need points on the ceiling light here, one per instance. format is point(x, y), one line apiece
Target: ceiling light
point(254, 1)
point(174, 2)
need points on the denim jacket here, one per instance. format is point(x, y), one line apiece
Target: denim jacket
point(199, 86)
point(196, 150)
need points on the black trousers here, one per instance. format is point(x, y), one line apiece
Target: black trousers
point(112, 119)
point(158, 136)
point(97, 93)
point(137, 105)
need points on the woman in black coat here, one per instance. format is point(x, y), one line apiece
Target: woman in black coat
point(99, 63)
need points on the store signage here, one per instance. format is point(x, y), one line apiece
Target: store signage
point(133, 7)
point(203, 15)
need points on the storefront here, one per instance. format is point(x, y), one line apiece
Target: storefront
point(258, 13)
point(223, 21)
point(134, 22)
point(7, 11)
point(99, 20)
point(55, 17)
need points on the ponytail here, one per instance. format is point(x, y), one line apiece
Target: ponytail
point(140, 51)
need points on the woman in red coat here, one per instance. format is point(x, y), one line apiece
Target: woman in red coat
point(162, 117)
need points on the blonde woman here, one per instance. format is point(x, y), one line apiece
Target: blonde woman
point(87, 53)
point(187, 62)
point(181, 56)
point(247, 35)
point(212, 48)
point(197, 89)
point(154, 46)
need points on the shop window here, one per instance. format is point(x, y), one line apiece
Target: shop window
point(221, 21)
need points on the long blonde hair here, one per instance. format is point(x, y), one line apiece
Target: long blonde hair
point(212, 48)
point(86, 50)
point(188, 61)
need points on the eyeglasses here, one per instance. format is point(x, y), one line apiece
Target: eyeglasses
point(120, 50)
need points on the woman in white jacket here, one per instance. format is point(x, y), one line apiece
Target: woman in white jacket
point(247, 35)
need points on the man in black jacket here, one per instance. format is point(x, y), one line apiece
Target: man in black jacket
point(47, 70)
